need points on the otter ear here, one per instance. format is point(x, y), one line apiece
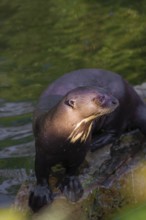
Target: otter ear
point(70, 102)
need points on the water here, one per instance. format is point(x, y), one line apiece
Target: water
point(16, 147)
point(41, 40)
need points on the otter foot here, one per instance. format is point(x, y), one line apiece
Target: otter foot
point(39, 197)
point(102, 140)
point(72, 188)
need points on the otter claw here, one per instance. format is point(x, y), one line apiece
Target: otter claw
point(72, 188)
point(39, 197)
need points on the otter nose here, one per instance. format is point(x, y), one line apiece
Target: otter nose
point(115, 101)
point(107, 100)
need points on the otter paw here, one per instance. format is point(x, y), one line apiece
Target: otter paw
point(72, 188)
point(39, 197)
point(103, 140)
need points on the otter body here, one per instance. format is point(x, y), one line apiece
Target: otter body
point(82, 109)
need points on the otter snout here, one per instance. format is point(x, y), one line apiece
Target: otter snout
point(107, 101)
point(114, 102)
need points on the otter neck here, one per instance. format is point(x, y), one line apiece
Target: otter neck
point(70, 126)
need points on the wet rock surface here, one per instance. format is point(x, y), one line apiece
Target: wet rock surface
point(112, 177)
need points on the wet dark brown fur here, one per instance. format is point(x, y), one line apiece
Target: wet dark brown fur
point(69, 115)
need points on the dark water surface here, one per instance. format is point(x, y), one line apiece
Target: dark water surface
point(41, 40)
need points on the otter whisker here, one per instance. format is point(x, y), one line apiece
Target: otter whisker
point(76, 137)
point(86, 134)
point(83, 128)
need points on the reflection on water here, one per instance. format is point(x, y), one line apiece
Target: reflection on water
point(16, 147)
point(14, 108)
point(41, 40)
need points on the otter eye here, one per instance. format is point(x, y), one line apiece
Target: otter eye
point(70, 103)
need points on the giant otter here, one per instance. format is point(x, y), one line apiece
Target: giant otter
point(72, 111)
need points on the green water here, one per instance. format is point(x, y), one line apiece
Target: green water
point(42, 39)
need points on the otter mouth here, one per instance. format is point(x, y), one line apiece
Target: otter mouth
point(106, 105)
point(83, 128)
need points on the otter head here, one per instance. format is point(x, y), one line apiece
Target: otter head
point(86, 104)
point(90, 102)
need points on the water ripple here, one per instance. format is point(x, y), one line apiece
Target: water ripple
point(15, 132)
point(15, 108)
point(19, 150)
